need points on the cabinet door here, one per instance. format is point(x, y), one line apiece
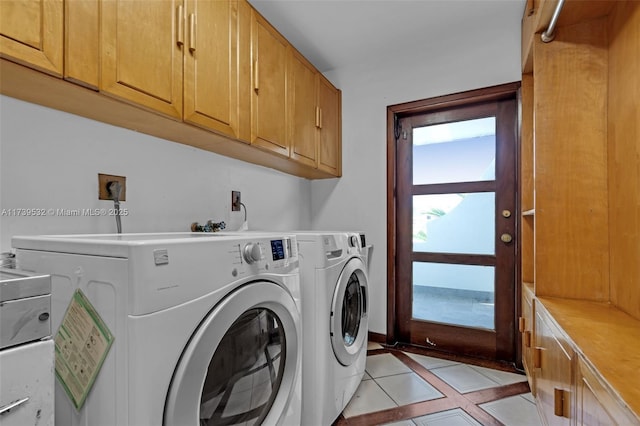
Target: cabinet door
point(32, 33)
point(595, 404)
point(141, 57)
point(526, 328)
point(553, 363)
point(303, 109)
point(211, 81)
point(330, 145)
point(268, 102)
point(82, 43)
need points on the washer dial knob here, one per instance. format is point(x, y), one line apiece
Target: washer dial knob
point(353, 241)
point(252, 253)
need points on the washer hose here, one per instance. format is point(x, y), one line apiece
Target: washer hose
point(114, 189)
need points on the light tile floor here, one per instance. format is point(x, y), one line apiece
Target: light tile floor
point(389, 383)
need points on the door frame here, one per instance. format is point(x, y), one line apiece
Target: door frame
point(394, 112)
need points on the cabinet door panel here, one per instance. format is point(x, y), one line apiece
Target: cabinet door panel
point(303, 112)
point(553, 374)
point(32, 33)
point(82, 45)
point(141, 57)
point(211, 83)
point(527, 336)
point(596, 404)
point(330, 144)
point(269, 103)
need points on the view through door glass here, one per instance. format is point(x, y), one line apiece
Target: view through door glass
point(455, 250)
point(461, 151)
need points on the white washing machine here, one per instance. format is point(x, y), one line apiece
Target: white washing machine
point(334, 283)
point(207, 328)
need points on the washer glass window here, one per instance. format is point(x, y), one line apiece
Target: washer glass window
point(351, 310)
point(245, 372)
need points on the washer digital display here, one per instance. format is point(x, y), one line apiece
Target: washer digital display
point(277, 249)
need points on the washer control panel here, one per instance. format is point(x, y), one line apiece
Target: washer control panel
point(252, 253)
point(268, 254)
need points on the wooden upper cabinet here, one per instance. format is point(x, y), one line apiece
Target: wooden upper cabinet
point(304, 110)
point(269, 87)
point(218, 65)
point(141, 53)
point(82, 42)
point(315, 114)
point(330, 124)
point(216, 95)
point(32, 33)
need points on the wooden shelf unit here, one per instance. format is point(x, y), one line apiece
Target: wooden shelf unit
point(580, 204)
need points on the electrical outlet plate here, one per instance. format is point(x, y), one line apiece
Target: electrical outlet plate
point(235, 201)
point(103, 180)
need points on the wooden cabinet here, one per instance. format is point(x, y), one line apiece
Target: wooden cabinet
point(552, 360)
point(269, 95)
point(570, 172)
point(570, 390)
point(295, 110)
point(216, 92)
point(216, 66)
point(31, 33)
point(142, 48)
point(526, 328)
point(579, 189)
point(304, 110)
point(595, 405)
point(162, 55)
point(82, 42)
point(330, 125)
point(315, 113)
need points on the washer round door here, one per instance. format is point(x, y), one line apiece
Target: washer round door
point(240, 366)
point(349, 322)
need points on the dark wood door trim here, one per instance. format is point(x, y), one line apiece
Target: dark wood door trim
point(395, 112)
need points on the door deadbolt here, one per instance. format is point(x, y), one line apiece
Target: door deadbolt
point(506, 213)
point(506, 238)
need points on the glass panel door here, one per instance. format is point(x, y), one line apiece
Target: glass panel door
point(455, 255)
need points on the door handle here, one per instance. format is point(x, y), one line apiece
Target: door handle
point(180, 27)
point(506, 238)
point(192, 32)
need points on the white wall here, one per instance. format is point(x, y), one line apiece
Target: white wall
point(464, 59)
point(50, 160)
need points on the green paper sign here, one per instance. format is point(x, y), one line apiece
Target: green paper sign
point(81, 345)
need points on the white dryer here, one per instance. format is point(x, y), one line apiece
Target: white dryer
point(334, 283)
point(207, 328)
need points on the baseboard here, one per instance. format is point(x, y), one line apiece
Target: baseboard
point(377, 337)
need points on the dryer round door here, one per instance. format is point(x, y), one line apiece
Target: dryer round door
point(349, 323)
point(240, 366)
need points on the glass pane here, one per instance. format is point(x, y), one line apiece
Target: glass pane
point(462, 151)
point(245, 372)
point(352, 306)
point(454, 223)
point(454, 294)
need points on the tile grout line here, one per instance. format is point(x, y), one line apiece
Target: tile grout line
point(461, 400)
point(452, 398)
